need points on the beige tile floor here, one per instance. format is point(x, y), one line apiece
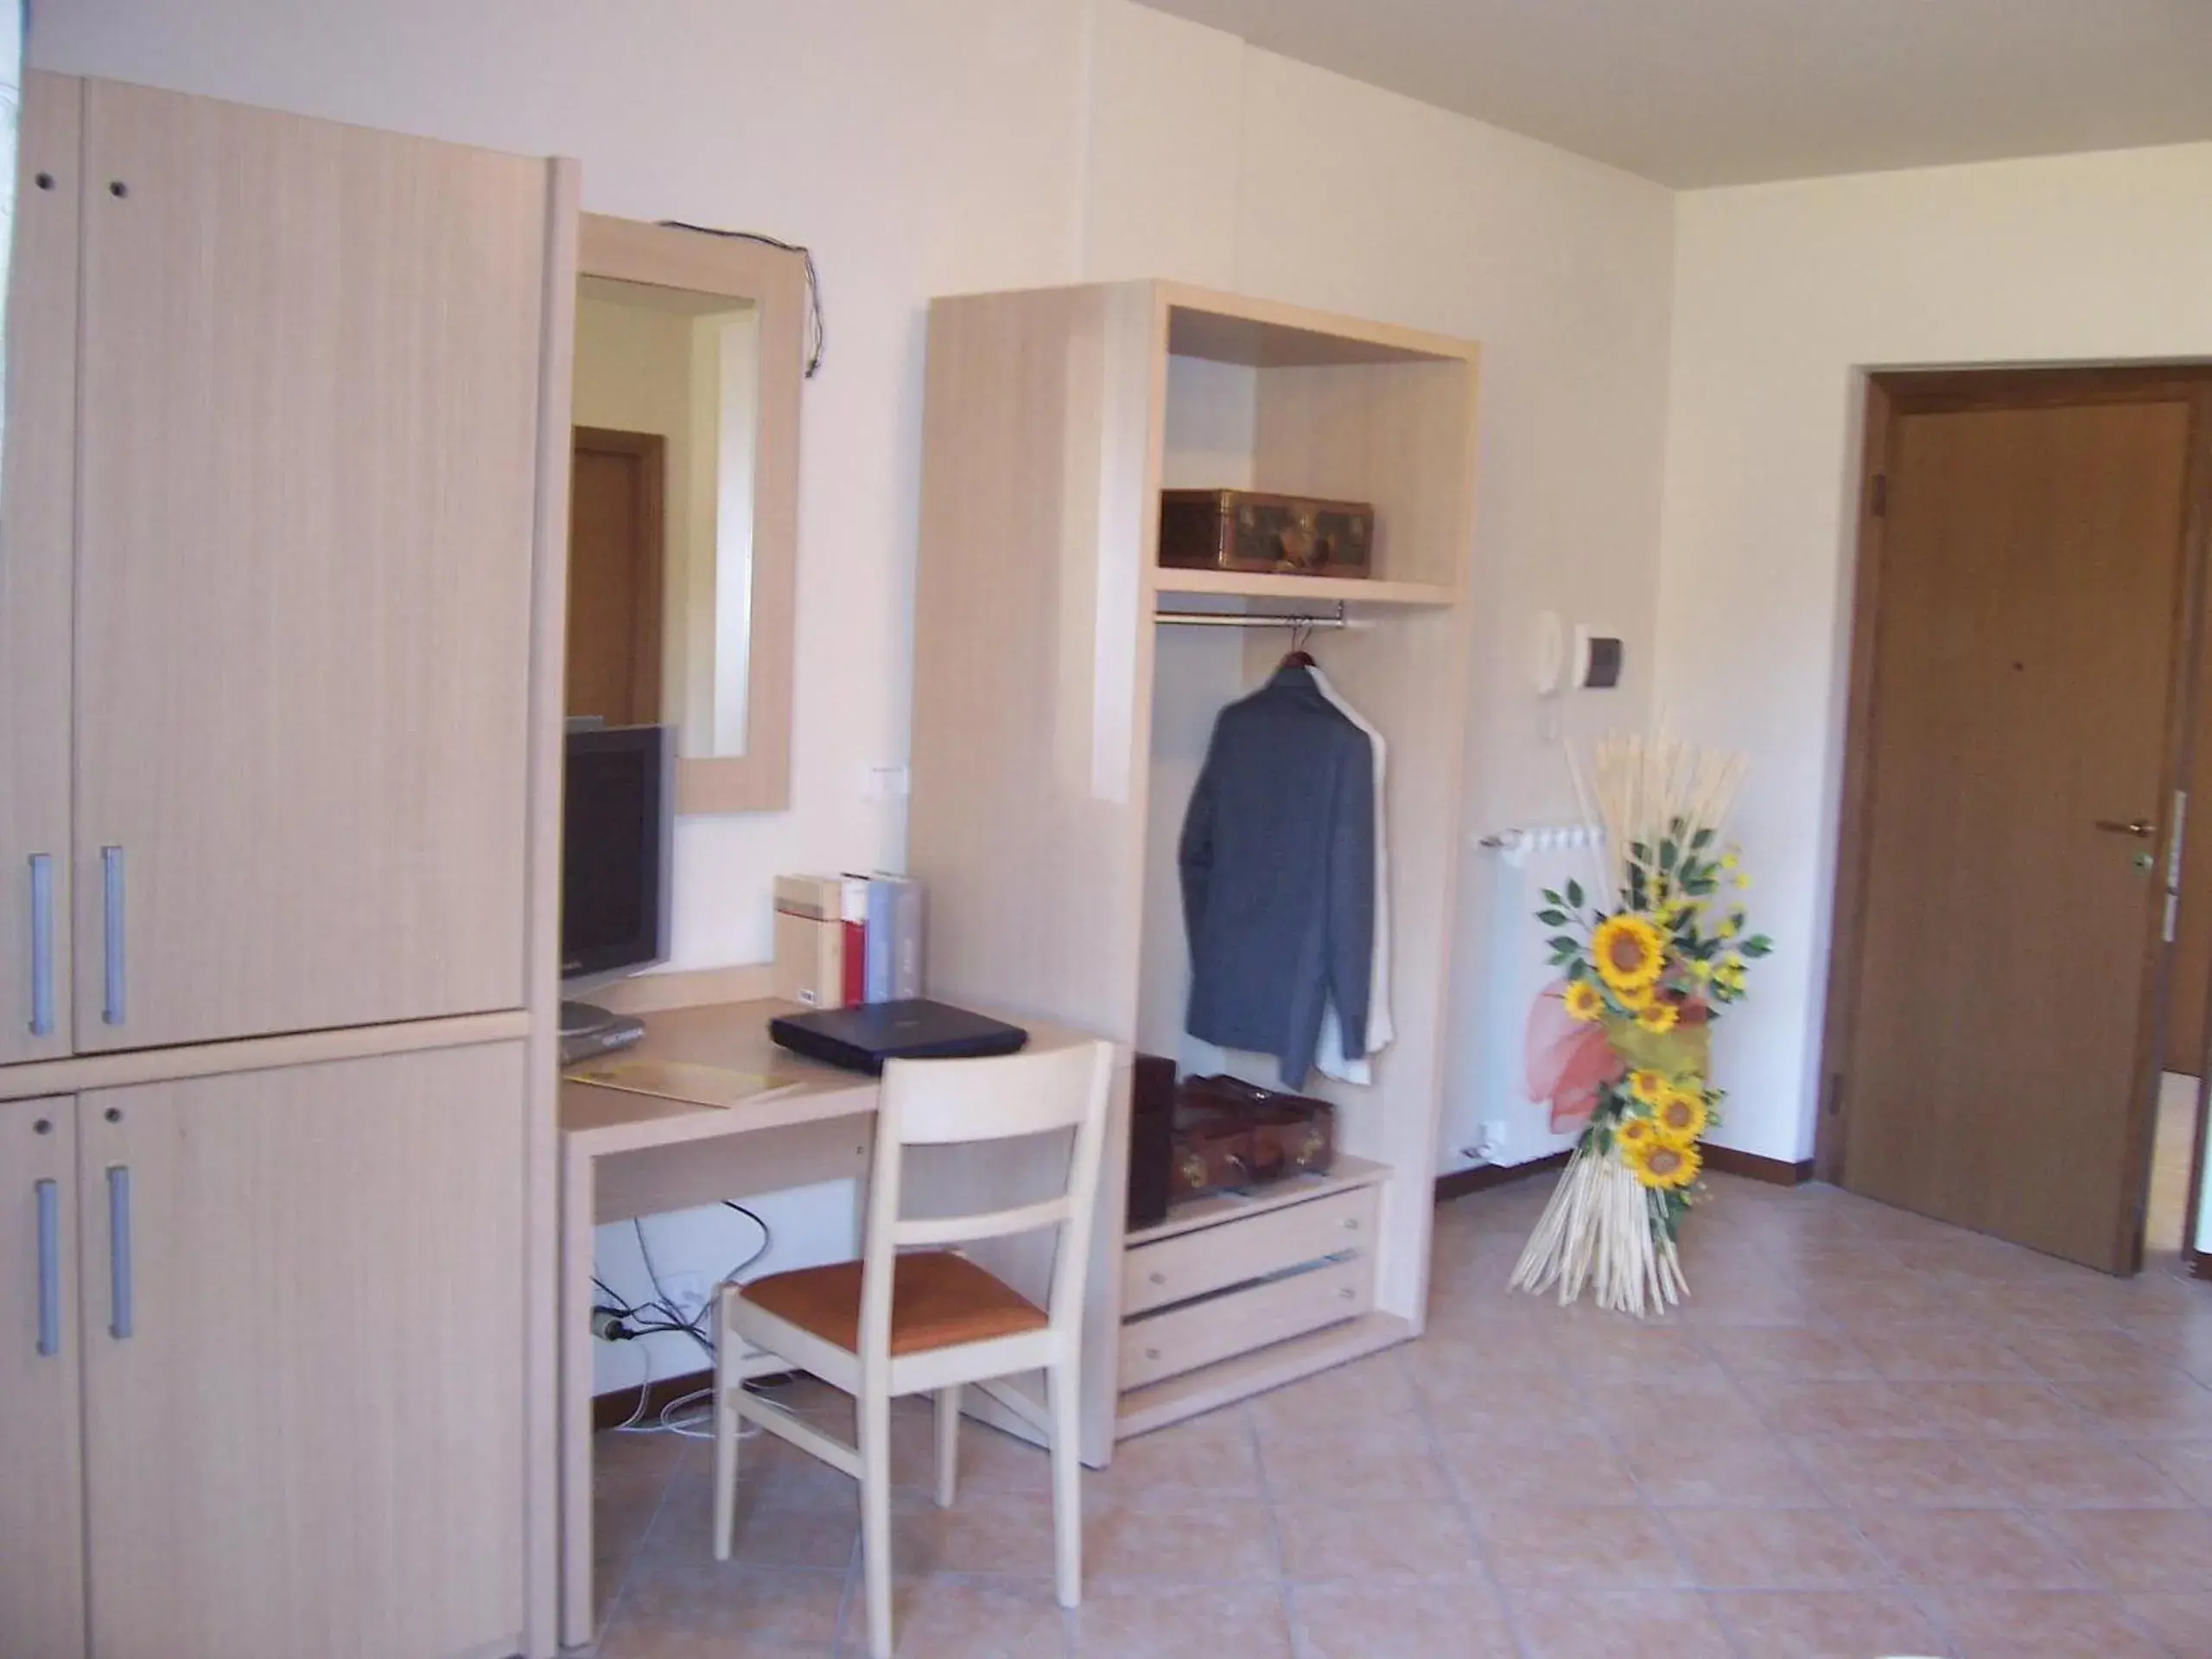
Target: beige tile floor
point(1867, 1434)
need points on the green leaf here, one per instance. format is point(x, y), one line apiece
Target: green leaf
point(1551, 898)
point(1578, 969)
point(1702, 840)
point(1574, 894)
point(1638, 851)
point(1552, 918)
point(1758, 945)
point(1668, 853)
point(1566, 942)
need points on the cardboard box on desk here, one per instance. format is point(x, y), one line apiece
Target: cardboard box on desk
point(810, 940)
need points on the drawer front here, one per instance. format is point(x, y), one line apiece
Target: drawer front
point(1184, 1338)
point(1214, 1258)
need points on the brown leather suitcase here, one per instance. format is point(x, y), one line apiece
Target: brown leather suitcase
point(1245, 529)
point(1152, 1139)
point(1232, 1133)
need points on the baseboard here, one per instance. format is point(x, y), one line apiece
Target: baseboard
point(613, 1410)
point(1483, 1177)
point(1774, 1171)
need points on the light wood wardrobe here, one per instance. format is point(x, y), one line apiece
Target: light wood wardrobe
point(1058, 728)
point(279, 652)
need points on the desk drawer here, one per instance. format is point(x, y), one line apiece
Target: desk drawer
point(1221, 1327)
point(1214, 1258)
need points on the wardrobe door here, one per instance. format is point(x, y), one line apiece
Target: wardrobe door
point(37, 497)
point(303, 1382)
point(308, 417)
point(41, 1348)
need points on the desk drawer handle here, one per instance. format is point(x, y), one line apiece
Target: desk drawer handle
point(49, 1267)
point(120, 1321)
point(111, 934)
point(42, 944)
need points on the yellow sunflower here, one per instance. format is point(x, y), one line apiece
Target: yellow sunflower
point(1658, 1017)
point(1628, 953)
point(1648, 1087)
point(1680, 1116)
point(1636, 999)
point(1635, 1132)
point(1658, 1163)
point(1583, 1000)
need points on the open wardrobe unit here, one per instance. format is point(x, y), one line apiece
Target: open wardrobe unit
point(1065, 700)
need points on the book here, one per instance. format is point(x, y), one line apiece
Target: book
point(882, 901)
point(906, 935)
point(853, 908)
point(810, 941)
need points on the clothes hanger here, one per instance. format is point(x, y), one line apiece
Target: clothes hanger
point(1297, 657)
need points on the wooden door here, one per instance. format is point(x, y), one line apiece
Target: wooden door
point(307, 414)
point(304, 1440)
point(41, 1352)
point(37, 499)
point(616, 551)
point(2019, 713)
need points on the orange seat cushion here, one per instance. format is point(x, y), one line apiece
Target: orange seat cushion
point(937, 1298)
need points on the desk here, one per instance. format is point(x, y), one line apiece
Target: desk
point(625, 1154)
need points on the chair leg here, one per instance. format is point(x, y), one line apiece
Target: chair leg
point(947, 1444)
point(726, 1427)
point(875, 1518)
point(1067, 1490)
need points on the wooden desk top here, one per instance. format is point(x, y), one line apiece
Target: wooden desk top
point(733, 1036)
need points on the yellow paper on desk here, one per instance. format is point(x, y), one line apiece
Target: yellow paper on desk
point(701, 1085)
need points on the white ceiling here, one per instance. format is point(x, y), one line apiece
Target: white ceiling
point(1727, 92)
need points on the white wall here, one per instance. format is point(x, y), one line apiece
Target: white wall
point(1218, 163)
point(1784, 295)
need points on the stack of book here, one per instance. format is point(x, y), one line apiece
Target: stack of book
point(843, 940)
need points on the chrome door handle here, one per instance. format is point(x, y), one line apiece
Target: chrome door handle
point(2141, 828)
point(112, 933)
point(49, 1267)
point(42, 944)
point(119, 1319)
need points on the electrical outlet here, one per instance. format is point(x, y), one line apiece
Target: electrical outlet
point(1490, 1140)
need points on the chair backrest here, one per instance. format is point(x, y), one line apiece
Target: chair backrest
point(941, 1103)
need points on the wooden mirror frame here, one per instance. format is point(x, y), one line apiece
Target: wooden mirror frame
point(774, 280)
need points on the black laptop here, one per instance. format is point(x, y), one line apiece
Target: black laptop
point(862, 1038)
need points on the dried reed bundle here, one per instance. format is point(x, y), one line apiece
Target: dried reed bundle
point(1600, 1233)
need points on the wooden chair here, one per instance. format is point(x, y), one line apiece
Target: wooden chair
point(930, 1320)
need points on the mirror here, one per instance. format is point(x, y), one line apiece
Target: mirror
point(682, 500)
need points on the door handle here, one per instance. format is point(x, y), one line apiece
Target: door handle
point(112, 933)
point(42, 944)
point(119, 1321)
point(49, 1267)
point(2141, 828)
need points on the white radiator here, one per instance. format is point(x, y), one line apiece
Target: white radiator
point(1499, 1124)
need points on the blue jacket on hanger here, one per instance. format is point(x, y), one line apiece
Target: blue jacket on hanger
point(1278, 868)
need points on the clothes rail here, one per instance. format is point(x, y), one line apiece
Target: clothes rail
point(1242, 620)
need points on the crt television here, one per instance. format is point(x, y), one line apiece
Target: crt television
point(618, 827)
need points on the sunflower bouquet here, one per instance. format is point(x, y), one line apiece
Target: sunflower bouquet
point(1643, 979)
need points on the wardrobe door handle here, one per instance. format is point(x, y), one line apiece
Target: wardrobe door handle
point(111, 932)
point(42, 944)
point(118, 1251)
point(49, 1267)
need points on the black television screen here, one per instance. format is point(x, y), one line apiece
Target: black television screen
point(618, 818)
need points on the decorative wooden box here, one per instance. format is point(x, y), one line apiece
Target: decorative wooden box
point(1242, 530)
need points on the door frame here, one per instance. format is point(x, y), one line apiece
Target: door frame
point(1889, 394)
point(648, 625)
